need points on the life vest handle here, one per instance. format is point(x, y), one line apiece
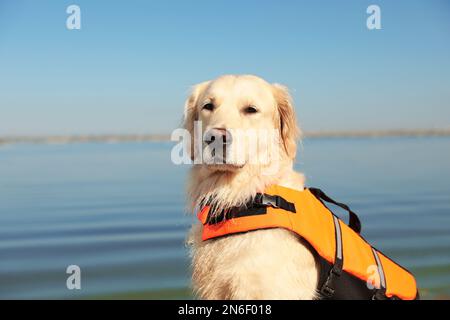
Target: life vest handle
point(354, 222)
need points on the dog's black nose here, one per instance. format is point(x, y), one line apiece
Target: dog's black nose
point(219, 134)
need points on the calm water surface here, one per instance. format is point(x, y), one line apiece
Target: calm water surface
point(117, 211)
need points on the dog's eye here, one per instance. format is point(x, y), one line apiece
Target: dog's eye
point(208, 106)
point(250, 109)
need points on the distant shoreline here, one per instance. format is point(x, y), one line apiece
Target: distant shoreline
point(117, 138)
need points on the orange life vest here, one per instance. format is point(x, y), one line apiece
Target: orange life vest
point(350, 267)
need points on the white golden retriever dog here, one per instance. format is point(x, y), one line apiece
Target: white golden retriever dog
point(263, 264)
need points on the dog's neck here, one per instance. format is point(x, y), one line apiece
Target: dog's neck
point(226, 189)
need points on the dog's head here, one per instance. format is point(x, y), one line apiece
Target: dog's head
point(241, 120)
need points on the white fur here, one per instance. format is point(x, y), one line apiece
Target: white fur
point(263, 264)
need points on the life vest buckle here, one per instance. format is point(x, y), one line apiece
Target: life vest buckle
point(380, 294)
point(327, 289)
point(267, 200)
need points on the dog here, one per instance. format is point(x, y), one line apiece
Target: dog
point(263, 264)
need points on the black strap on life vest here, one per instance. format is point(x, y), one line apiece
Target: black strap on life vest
point(256, 206)
point(353, 222)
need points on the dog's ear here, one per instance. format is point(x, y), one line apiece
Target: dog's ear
point(190, 110)
point(289, 130)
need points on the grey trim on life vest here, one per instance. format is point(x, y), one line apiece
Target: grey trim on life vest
point(337, 227)
point(328, 288)
point(380, 269)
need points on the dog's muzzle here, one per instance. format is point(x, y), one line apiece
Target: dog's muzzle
point(218, 141)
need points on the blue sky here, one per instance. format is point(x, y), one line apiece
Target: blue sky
point(129, 68)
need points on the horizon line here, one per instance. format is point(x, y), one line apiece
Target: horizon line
point(163, 137)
